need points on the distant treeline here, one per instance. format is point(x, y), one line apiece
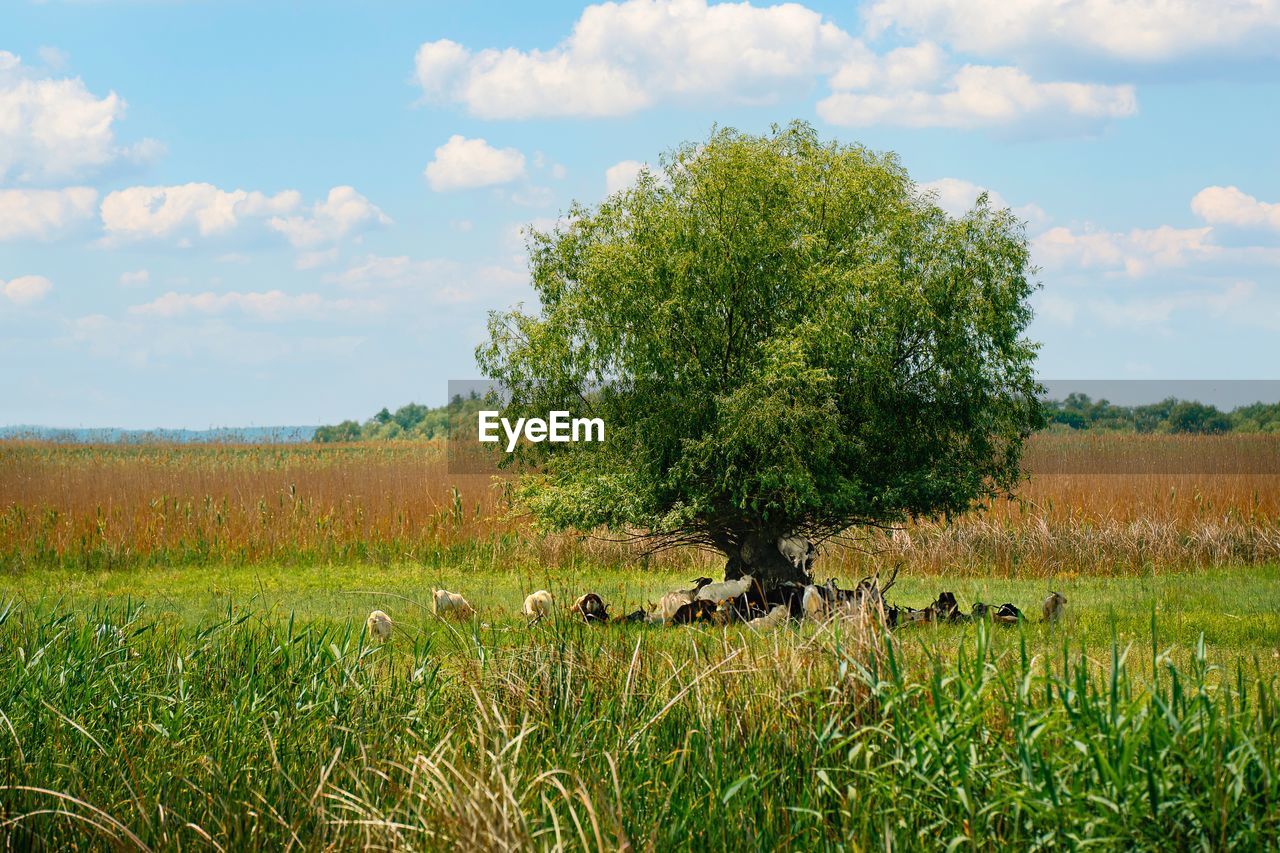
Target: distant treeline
point(1077, 412)
point(413, 421)
point(160, 435)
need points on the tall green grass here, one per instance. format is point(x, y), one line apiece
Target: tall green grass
point(123, 730)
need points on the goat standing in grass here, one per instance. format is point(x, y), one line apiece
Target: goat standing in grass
point(815, 605)
point(450, 605)
point(725, 590)
point(538, 605)
point(380, 627)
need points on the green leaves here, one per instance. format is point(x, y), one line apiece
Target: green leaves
point(781, 334)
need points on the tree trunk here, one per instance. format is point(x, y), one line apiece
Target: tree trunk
point(760, 557)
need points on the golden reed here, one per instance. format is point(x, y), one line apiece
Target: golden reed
point(1092, 504)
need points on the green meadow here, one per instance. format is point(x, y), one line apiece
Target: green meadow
point(241, 707)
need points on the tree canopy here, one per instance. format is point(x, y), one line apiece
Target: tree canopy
point(411, 421)
point(783, 335)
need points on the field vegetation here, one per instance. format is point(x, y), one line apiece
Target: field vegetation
point(1093, 504)
point(183, 665)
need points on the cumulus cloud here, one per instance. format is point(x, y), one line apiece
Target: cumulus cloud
point(463, 163)
point(1239, 301)
point(1231, 206)
point(271, 305)
point(26, 289)
point(621, 175)
point(623, 57)
point(135, 278)
point(1150, 277)
point(56, 129)
point(1136, 253)
point(957, 196)
point(435, 280)
point(627, 56)
point(977, 96)
point(344, 212)
point(187, 211)
point(1158, 309)
point(901, 68)
point(44, 214)
point(141, 340)
point(139, 213)
point(1136, 31)
point(320, 258)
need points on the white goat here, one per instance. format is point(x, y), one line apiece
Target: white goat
point(773, 619)
point(379, 626)
point(667, 606)
point(815, 606)
point(725, 590)
point(450, 605)
point(537, 605)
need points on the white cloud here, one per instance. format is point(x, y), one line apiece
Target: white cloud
point(436, 65)
point(135, 278)
point(980, 95)
point(55, 59)
point(1231, 206)
point(1136, 253)
point(272, 305)
point(530, 196)
point(623, 57)
point(902, 68)
point(463, 163)
point(345, 211)
point(26, 289)
point(1138, 31)
point(1157, 310)
point(311, 260)
point(140, 213)
point(438, 281)
point(187, 211)
point(43, 214)
point(957, 196)
point(56, 129)
point(556, 170)
point(619, 176)
point(140, 341)
point(626, 56)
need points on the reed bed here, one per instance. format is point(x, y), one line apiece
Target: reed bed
point(1115, 504)
point(126, 732)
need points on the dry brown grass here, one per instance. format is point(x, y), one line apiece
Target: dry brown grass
point(1118, 503)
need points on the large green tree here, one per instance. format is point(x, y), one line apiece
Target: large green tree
point(784, 337)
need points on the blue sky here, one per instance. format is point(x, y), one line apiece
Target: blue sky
point(247, 213)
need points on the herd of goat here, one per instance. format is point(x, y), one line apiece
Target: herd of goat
point(745, 600)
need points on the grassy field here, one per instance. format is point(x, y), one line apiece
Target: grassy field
point(183, 664)
point(1094, 504)
point(242, 706)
